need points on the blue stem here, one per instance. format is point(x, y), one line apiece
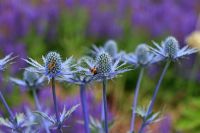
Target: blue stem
point(7, 107)
point(154, 95)
point(135, 100)
point(12, 118)
point(37, 104)
point(55, 105)
point(85, 108)
point(105, 106)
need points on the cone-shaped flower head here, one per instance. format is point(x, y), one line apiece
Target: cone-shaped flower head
point(142, 53)
point(53, 64)
point(30, 78)
point(142, 56)
point(111, 47)
point(170, 49)
point(104, 63)
point(102, 67)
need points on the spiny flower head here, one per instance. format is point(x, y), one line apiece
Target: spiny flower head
point(5, 60)
point(79, 77)
point(111, 47)
point(103, 66)
point(29, 77)
point(142, 56)
point(142, 53)
point(53, 64)
point(104, 63)
point(170, 49)
point(31, 80)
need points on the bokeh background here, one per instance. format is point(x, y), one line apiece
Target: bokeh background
point(70, 27)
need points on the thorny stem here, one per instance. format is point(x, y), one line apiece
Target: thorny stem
point(55, 105)
point(154, 95)
point(84, 108)
point(105, 105)
point(135, 100)
point(37, 104)
point(12, 118)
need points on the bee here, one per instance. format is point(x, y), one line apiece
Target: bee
point(93, 70)
point(51, 65)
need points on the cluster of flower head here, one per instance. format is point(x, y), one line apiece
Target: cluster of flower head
point(107, 63)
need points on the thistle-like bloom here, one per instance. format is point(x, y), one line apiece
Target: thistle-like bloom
point(30, 80)
point(5, 60)
point(53, 66)
point(141, 57)
point(171, 50)
point(21, 123)
point(110, 47)
point(103, 67)
point(62, 117)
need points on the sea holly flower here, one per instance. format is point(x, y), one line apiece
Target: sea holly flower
point(31, 80)
point(16, 123)
point(54, 69)
point(53, 66)
point(101, 69)
point(62, 117)
point(152, 118)
point(170, 49)
point(82, 80)
point(141, 58)
point(97, 126)
point(103, 66)
point(110, 47)
point(20, 124)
